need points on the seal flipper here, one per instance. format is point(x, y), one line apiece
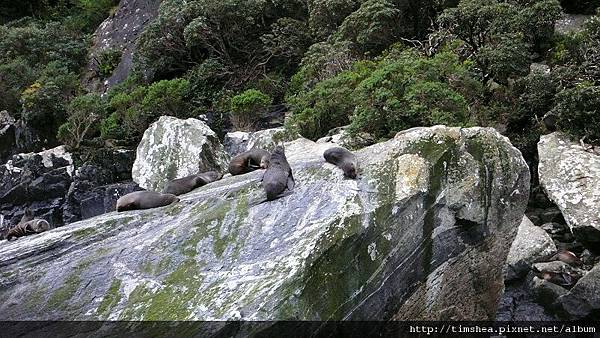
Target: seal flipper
point(290, 181)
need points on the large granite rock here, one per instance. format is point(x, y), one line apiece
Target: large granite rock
point(423, 234)
point(173, 148)
point(119, 32)
point(531, 244)
point(571, 178)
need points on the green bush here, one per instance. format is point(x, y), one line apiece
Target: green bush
point(108, 60)
point(83, 116)
point(399, 91)
point(578, 112)
point(248, 108)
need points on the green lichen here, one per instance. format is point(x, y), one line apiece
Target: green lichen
point(70, 285)
point(111, 299)
point(174, 300)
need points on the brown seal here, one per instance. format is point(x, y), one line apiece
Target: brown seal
point(186, 184)
point(278, 176)
point(248, 161)
point(342, 158)
point(138, 200)
point(568, 257)
point(34, 226)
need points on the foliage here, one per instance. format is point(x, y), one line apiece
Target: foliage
point(248, 107)
point(401, 90)
point(83, 114)
point(108, 60)
point(134, 109)
point(578, 112)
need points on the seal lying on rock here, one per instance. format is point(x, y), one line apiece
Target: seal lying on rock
point(186, 184)
point(248, 161)
point(567, 257)
point(34, 226)
point(138, 200)
point(342, 158)
point(278, 176)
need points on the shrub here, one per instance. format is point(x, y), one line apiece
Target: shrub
point(108, 60)
point(578, 112)
point(83, 114)
point(248, 108)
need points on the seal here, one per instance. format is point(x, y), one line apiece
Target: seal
point(186, 184)
point(342, 158)
point(27, 216)
point(138, 200)
point(34, 226)
point(278, 176)
point(568, 257)
point(248, 161)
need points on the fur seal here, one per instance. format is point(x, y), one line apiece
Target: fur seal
point(27, 216)
point(567, 257)
point(186, 184)
point(278, 176)
point(342, 158)
point(138, 200)
point(248, 161)
point(34, 226)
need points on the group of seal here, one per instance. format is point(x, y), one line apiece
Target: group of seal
point(28, 225)
point(277, 180)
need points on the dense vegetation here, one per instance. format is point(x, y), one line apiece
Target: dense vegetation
point(380, 66)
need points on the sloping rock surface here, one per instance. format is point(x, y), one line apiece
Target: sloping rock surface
point(423, 234)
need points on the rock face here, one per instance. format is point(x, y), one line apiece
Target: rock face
point(571, 178)
point(38, 180)
point(531, 244)
point(50, 184)
point(119, 32)
point(423, 234)
point(173, 148)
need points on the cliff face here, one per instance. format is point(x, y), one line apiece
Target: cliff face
point(119, 33)
point(423, 234)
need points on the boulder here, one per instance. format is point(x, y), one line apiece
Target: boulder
point(423, 234)
point(119, 32)
point(237, 142)
point(571, 178)
point(583, 301)
point(173, 148)
point(341, 137)
point(531, 244)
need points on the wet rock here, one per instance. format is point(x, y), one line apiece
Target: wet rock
point(546, 293)
point(531, 244)
point(423, 235)
point(571, 178)
point(173, 148)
